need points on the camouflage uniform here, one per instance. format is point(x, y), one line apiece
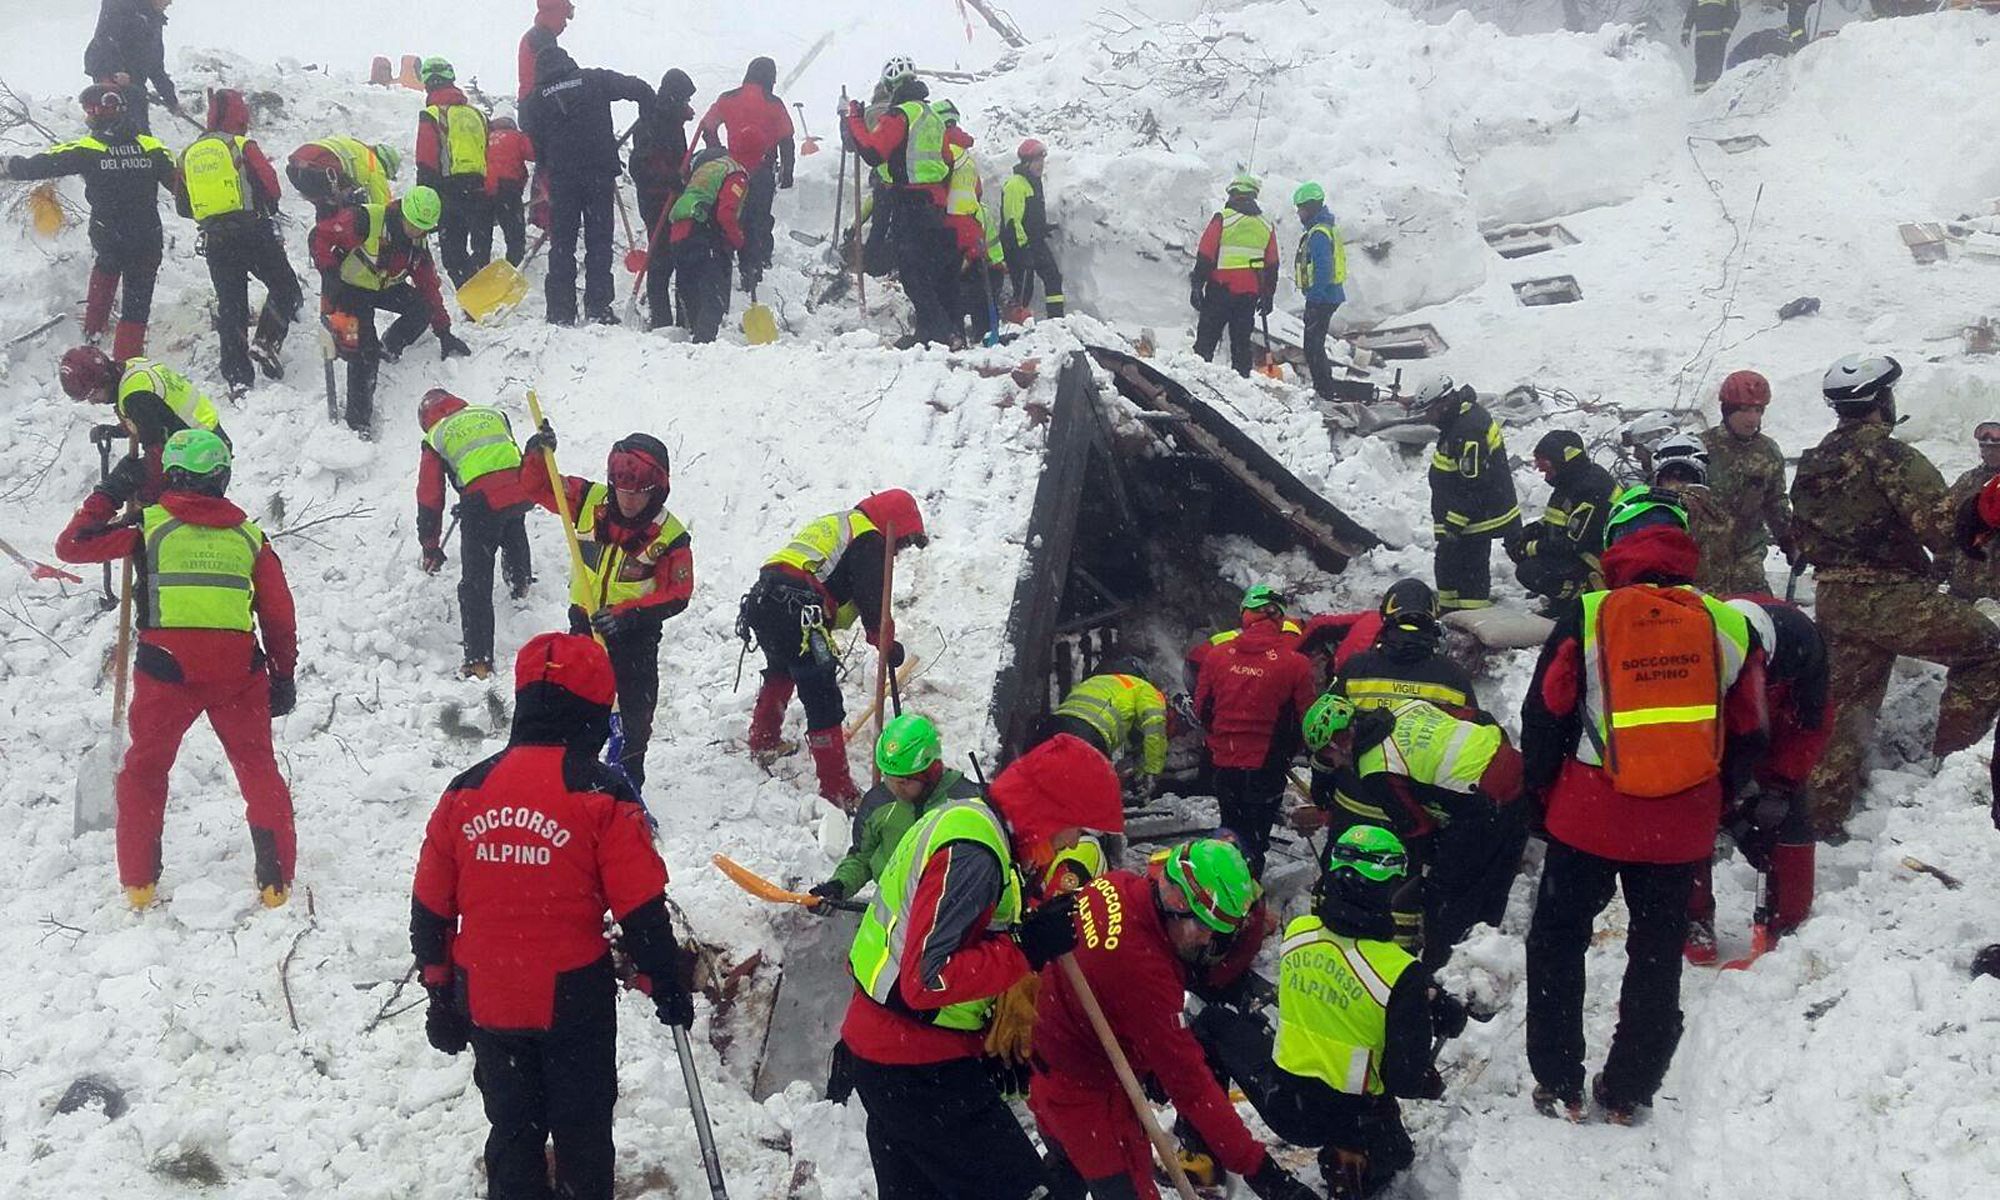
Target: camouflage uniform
point(1746, 482)
point(1969, 578)
point(1709, 524)
point(1866, 506)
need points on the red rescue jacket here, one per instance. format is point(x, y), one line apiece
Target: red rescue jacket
point(758, 126)
point(346, 230)
point(727, 217)
point(1251, 695)
point(673, 572)
point(508, 153)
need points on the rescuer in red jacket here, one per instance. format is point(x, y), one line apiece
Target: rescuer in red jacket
point(760, 140)
point(474, 449)
point(709, 220)
point(524, 855)
point(508, 153)
point(1253, 692)
point(1139, 937)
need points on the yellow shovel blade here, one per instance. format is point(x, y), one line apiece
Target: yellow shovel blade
point(759, 326)
point(45, 210)
point(494, 288)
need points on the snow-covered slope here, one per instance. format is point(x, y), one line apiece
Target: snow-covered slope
point(1856, 1060)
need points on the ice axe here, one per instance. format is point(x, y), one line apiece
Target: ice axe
point(811, 144)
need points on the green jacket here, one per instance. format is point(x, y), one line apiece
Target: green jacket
point(881, 822)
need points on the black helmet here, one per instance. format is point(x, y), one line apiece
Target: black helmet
point(675, 85)
point(1410, 604)
point(1559, 446)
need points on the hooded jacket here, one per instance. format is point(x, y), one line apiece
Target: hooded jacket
point(131, 40)
point(1582, 808)
point(568, 115)
point(499, 491)
point(1572, 526)
point(659, 160)
point(1251, 695)
point(950, 955)
point(551, 18)
point(229, 116)
point(882, 142)
point(672, 573)
point(759, 125)
point(1472, 479)
point(1405, 665)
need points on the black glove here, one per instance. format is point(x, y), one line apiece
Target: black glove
point(1272, 1182)
point(1049, 932)
point(1996, 810)
point(672, 999)
point(832, 889)
point(125, 479)
point(104, 435)
point(542, 439)
point(433, 559)
point(1009, 1078)
point(610, 623)
point(785, 184)
point(1448, 1014)
point(444, 1025)
point(895, 655)
point(284, 697)
point(1195, 293)
point(449, 345)
point(1970, 530)
point(1264, 305)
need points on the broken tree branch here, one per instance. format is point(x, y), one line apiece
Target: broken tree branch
point(285, 964)
point(382, 1013)
point(1007, 30)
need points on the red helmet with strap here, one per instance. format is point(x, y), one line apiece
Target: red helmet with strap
point(1031, 148)
point(639, 463)
point(1745, 389)
point(896, 509)
point(85, 372)
point(436, 405)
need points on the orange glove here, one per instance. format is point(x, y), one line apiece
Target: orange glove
point(1011, 1036)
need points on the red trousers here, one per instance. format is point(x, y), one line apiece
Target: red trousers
point(239, 711)
point(1791, 884)
point(1097, 1131)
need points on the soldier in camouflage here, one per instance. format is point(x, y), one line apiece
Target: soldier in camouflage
point(1680, 466)
point(1972, 578)
point(1866, 507)
point(1746, 484)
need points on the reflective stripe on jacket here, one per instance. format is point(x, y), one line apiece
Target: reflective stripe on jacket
point(198, 576)
point(1333, 1005)
point(474, 442)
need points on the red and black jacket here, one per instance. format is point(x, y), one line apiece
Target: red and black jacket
point(1252, 693)
point(673, 572)
point(346, 231)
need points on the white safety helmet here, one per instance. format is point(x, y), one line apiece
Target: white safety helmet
point(1440, 388)
point(1860, 380)
point(898, 69)
point(1682, 451)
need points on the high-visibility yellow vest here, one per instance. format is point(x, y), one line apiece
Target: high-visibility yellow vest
point(923, 147)
point(1245, 238)
point(1118, 707)
point(461, 139)
point(613, 575)
point(362, 266)
point(213, 174)
point(996, 254)
point(172, 387)
point(1385, 692)
point(1014, 196)
point(817, 550)
point(474, 442)
point(198, 576)
point(359, 163)
point(1302, 268)
point(704, 189)
point(1086, 858)
point(1333, 1005)
point(876, 956)
point(963, 198)
point(1660, 730)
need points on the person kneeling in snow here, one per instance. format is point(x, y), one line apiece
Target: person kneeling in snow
point(507, 924)
point(707, 229)
point(205, 579)
point(915, 780)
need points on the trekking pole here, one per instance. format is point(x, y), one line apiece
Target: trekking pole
point(1163, 1147)
point(703, 1132)
point(885, 637)
point(110, 600)
point(860, 278)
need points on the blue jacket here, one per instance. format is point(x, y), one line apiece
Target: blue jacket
point(1322, 265)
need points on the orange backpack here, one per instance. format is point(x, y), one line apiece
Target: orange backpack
point(1660, 678)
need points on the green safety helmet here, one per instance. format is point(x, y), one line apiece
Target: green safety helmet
point(195, 451)
point(1309, 193)
point(1370, 851)
point(436, 68)
point(1214, 880)
point(1263, 595)
point(422, 208)
point(1328, 715)
point(1245, 184)
point(1640, 507)
point(390, 158)
point(908, 746)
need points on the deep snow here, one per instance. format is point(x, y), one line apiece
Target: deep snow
point(1856, 1060)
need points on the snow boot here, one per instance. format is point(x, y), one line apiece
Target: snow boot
point(129, 341)
point(1700, 946)
point(1791, 885)
point(97, 304)
point(141, 897)
point(265, 355)
point(477, 668)
point(272, 895)
point(1616, 1111)
point(768, 717)
point(1551, 1103)
point(829, 752)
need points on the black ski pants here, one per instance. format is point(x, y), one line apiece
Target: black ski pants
point(701, 262)
point(465, 213)
point(579, 204)
point(635, 666)
point(1469, 868)
point(1249, 799)
point(482, 534)
point(1318, 318)
point(1039, 262)
point(926, 264)
point(1223, 309)
point(559, 1083)
point(774, 609)
point(1555, 576)
point(127, 264)
point(1575, 888)
point(942, 1131)
point(1463, 568)
point(1067, 1183)
point(759, 228)
point(653, 206)
point(413, 316)
point(509, 211)
point(240, 246)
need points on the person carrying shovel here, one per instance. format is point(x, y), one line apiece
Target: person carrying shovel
point(910, 755)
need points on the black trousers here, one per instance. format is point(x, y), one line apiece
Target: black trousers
point(1067, 1183)
point(1711, 50)
point(1039, 261)
point(132, 263)
point(926, 264)
point(1556, 576)
point(1249, 799)
point(239, 247)
point(465, 213)
point(1575, 888)
point(1299, 1109)
point(773, 610)
point(1469, 867)
point(1318, 318)
point(1223, 309)
point(413, 316)
point(482, 534)
point(660, 267)
point(701, 263)
point(635, 665)
point(1463, 568)
point(509, 211)
point(560, 1083)
point(979, 285)
point(579, 204)
point(759, 229)
point(942, 1131)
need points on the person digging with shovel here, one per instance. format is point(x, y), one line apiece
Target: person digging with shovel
point(915, 781)
point(207, 581)
point(707, 230)
point(760, 137)
point(153, 403)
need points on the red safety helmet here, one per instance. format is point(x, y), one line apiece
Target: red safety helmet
point(577, 665)
point(639, 463)
point(436, 405)
point(1031, 148)
point(897, 509)
point(1745, 389)
point(228, 112)
point(85, 373)
point(101, 102)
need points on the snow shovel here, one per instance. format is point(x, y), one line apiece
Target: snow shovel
point(1163, 1147)
point(810, 145)
point(1273, 369)
point(37, 570)
point(97, 776)
point(45, 211)
point(495, 287)
point(632, 246)
point(760, 328)
point(764, 889)
point(703, 1132)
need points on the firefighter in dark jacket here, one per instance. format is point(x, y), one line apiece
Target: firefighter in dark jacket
point(708, 229)
point(638, 569)
point(659, 171)
point(1557, 557)
point(1708, 24)
point(825, 579)
point(1632, 766)
point(1235, 274)
point(523, 857)
point(128, 51)
point(451, 158)
point(1252, 692)
point(1403, 662)
point(1472, 492)
point(1025, 235)
point(568, 115)
point(375, 256)
point(1359, 1025)
point(473, 448)
point(123, 169)
point(231, 191)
